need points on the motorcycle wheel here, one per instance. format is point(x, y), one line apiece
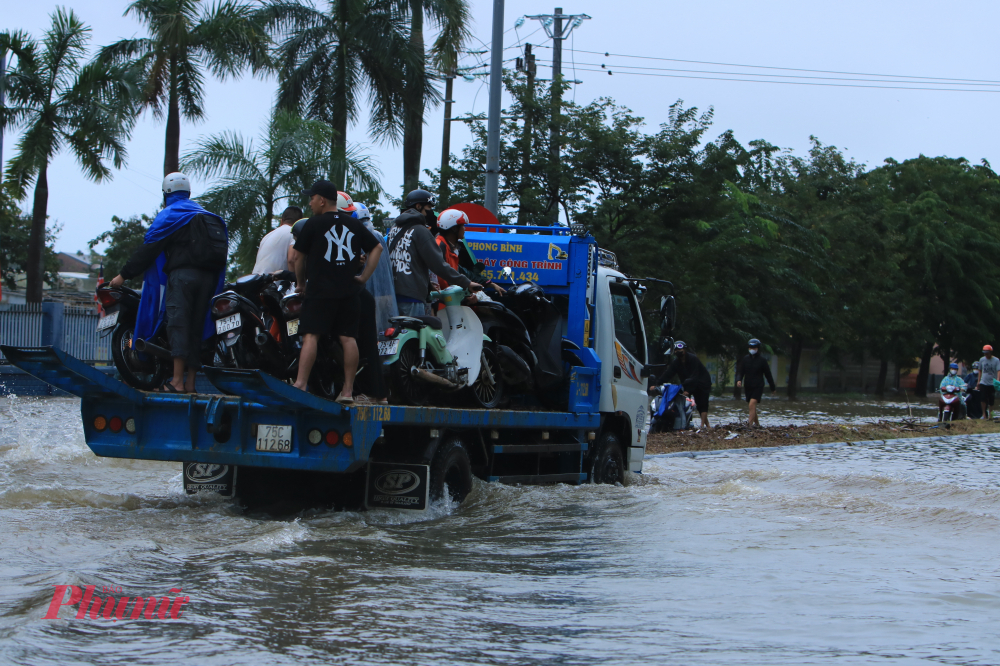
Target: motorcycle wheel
point(406, 388)
point(324, 384)
point(143, 375)
point(486, 393)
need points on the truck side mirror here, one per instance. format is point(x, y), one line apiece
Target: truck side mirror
point(668, 315)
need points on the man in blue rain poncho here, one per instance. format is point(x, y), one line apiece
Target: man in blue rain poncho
point(183, 258)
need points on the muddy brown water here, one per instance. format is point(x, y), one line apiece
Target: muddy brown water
point(851, 554)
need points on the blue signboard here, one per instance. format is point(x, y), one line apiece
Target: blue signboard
point(533, 258)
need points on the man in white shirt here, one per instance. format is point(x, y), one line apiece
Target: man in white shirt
point(272, 255)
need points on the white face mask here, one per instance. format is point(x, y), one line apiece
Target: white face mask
point(753, 351)
point(954, 372)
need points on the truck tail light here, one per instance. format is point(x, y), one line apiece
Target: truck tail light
point(100, 423)
point(130, 426)
point(348, 439)
point(116, 424)
point(332, 437)
point(315, 436)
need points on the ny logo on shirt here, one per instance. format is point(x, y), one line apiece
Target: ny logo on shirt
point(343, 245)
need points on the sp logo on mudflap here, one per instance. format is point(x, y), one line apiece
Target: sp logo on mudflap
point(209, 477)
point(397, 486)
point(397, 482)
point(205, 472)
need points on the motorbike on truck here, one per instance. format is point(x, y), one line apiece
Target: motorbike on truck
point(448, 353)
point(140, 368)
point(248, 322)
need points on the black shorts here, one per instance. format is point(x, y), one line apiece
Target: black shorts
point(987, 394)
point(700, 396)
point(339, 316)
point(753, 393)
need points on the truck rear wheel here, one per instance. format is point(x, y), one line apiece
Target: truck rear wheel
point(607, 464)
point(451, 467)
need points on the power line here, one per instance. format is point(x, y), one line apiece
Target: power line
point(787, 69)
point(618, 68)
point(790, 83)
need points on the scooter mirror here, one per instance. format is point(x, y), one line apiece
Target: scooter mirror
point(508, 273)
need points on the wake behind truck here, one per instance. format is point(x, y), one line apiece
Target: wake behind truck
point(265, 441)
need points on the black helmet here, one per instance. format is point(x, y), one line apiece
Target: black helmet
point(754, 342)
point(418, 197)
point(297, 227)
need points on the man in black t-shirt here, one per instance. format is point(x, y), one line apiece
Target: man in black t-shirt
point(327, 259)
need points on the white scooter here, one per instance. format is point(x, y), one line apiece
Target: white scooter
point(449, 351)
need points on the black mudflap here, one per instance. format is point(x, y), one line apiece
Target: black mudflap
point(212, 477)
point(397, 486)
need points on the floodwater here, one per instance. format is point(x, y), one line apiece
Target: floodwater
point(867, 554)
point(777, 410)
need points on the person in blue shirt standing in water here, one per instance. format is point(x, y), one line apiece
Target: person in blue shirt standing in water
point(183, 256)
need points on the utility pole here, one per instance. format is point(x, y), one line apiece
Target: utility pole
point(528, 105)
point(557, 32)
point(446, 138)
point(493, 126)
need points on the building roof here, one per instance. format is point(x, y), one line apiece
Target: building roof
point(71, 263)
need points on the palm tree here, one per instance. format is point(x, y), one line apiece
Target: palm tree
point(251, 180)
point(183, 42)
point(330, 59)
point(451, 17)
point(57, 101)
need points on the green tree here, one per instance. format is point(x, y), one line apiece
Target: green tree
point(15, 234)
point(330, 60)
point(945, 213)
point(184, 41)
point(123, 238)
point(58, 101)
point(252, 180)
point(451, 18)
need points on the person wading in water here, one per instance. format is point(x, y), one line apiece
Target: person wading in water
point(750, 375)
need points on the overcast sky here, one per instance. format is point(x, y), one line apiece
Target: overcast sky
point(909, 38)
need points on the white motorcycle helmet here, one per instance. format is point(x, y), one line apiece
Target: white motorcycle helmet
point(451, 218)
point(176, 182)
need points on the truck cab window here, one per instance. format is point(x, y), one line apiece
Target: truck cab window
point(628, 325)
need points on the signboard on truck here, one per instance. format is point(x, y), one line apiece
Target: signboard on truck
point(543, 259)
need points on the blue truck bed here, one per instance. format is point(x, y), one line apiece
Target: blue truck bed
point(122, 422)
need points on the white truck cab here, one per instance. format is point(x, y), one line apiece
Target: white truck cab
point(620, 341)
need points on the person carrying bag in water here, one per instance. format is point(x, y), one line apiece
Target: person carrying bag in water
point(183, 256)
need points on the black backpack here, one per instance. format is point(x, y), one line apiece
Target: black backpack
point(209, 249)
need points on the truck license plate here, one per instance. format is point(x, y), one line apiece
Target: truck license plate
point(388, 347)
point(228, 323)
point(293, 327)
point(274, 438)
point(107, 321)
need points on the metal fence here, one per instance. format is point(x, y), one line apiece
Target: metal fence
point(80, 336)
point(21, 325)
point(72, 329)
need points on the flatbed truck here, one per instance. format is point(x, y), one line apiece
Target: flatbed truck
point(265, 441)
